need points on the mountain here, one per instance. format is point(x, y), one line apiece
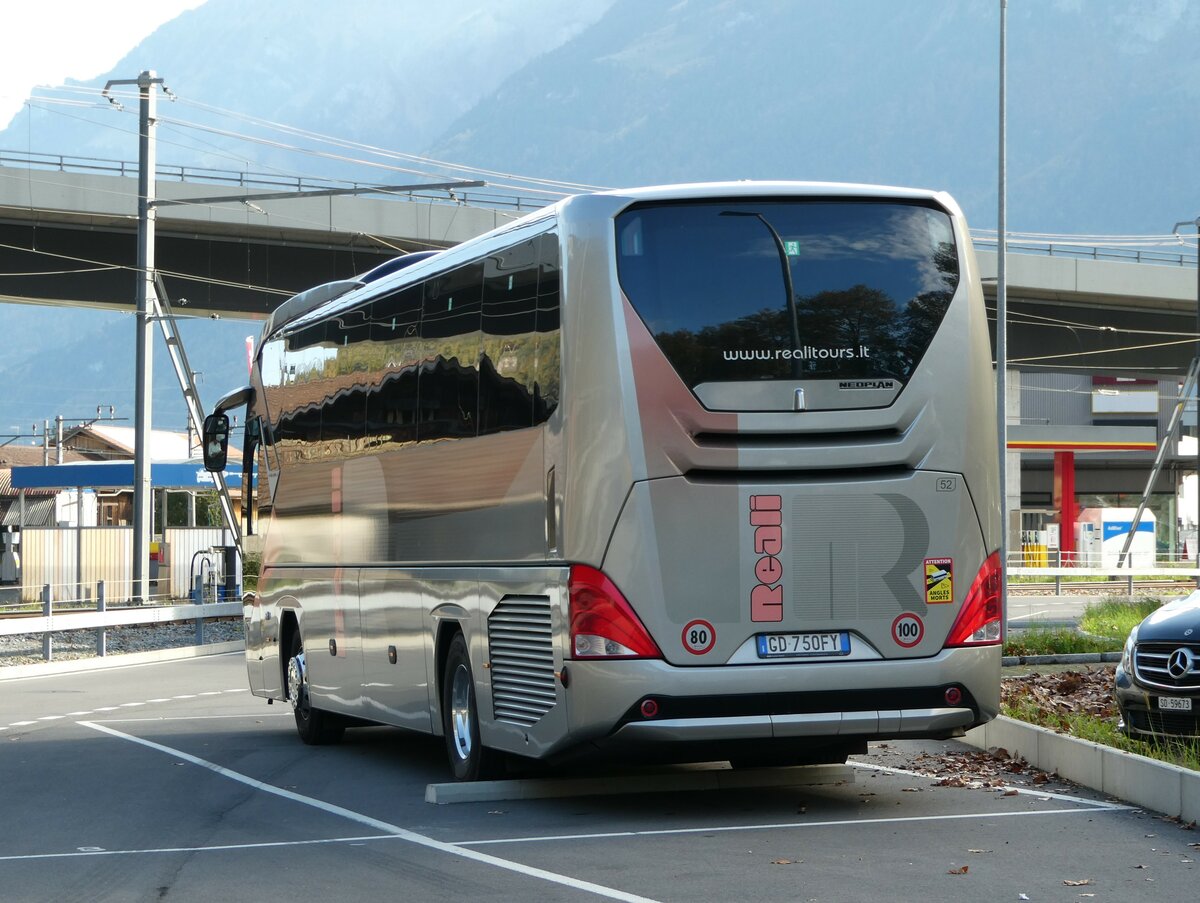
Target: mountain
point(68, 361)
point(382, 72)
point(1101, 124)
point(1100, 103)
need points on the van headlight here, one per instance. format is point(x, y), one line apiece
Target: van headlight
point(1127, 652)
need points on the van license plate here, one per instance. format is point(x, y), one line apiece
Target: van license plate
point(787, 645)
point(1175, 703)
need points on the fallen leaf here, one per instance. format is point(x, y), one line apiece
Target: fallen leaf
point(781, 862)
point(1080, 883)
point(1139, 866)
point(910, 789)
point(959, 871)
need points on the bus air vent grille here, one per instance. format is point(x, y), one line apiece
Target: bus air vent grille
point(522, 656)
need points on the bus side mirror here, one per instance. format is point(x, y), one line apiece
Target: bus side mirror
point(216, 442)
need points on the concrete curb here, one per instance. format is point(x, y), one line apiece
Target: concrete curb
point(1170, 789)
point(95, 663)
point(703, 777)
point(1065, 658)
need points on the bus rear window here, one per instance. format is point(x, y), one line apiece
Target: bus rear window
point(789, 289)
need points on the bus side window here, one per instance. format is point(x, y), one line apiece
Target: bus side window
point(252, 440)
point(344, 407)
point(508, 352)
point(448, 385)
point(298, 429)
point(549, 355)
point(394, 357)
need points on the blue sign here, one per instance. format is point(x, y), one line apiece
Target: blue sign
point(1115, 528)
point(117, 474)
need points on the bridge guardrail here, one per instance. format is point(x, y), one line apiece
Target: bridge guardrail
point(267, 181)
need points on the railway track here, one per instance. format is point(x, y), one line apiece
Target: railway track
point(1117, 586)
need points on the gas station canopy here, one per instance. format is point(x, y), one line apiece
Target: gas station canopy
point(117, 474)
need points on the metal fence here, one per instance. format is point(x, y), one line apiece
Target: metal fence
point(73, 560)
point(92, 613)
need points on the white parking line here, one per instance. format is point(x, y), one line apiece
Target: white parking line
point(832, 823)
point(164, 718)
point(402, 833)
point(213, 849)
point(125, 705)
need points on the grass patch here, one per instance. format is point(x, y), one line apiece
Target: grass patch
point(1116, 617)
point(1104, 731)
point(1103, 627)
point(1057, 641)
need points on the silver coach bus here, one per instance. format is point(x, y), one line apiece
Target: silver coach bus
point(695, 472)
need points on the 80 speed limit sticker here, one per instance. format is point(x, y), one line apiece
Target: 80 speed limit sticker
point(698, 637)
point(908, 630)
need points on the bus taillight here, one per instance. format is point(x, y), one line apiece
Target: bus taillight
point(602, 623)
point(981, 618)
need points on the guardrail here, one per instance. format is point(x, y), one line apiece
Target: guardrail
point(71, 615)
point(266, 181)
point(1089, 252)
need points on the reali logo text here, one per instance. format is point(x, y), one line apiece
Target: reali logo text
point(766, 598)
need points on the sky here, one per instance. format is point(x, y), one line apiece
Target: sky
point(50, 41)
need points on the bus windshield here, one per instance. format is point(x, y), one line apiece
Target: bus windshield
point(789, 289)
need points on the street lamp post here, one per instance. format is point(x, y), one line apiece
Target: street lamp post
point(1175, 231)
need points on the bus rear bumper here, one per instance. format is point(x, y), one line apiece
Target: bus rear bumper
point(646, 703)
point(891, 723)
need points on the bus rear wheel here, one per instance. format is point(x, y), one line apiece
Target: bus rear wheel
point(315, 727)
point(470, 760)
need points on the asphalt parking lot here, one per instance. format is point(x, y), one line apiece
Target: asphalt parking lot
point(171, 782)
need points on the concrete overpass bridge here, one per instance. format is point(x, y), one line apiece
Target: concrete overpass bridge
point(72, 222)
point(72, 225)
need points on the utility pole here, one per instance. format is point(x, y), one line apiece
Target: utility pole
point(1175, 231)
point(142, 495)
point(1001, 318)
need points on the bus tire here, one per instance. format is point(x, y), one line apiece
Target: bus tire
point(469, 759)
point(315, 727)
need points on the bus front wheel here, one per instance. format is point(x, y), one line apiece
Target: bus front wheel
point(470, 760)
point(314, 726)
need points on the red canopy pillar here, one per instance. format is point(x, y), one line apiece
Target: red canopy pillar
point(1064, 500)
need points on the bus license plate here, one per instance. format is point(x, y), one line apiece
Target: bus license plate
point(1175, 703)
point(772, 645)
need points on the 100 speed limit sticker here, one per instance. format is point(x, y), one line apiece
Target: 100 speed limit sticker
point(908, 629)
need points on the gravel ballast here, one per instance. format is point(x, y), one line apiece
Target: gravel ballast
point(66, 645)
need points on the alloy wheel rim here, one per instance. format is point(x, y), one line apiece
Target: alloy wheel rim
point(460, 712)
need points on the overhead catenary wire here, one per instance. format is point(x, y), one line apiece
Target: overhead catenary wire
point(562, 187)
